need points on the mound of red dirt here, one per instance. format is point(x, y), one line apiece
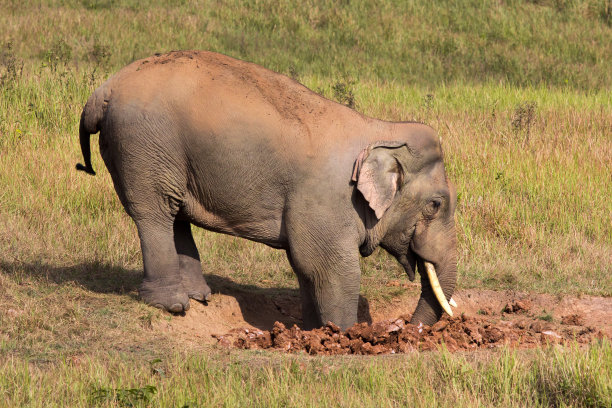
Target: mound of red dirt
point(485, 319)
point(398, 336)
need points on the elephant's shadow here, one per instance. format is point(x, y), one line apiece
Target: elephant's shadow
point(260, 307)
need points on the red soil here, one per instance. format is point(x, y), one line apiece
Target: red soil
point(483, 319)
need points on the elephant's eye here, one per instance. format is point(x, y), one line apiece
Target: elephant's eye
point(432, 207)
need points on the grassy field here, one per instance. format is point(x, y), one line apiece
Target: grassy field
point(571, 377)
point(519, 91)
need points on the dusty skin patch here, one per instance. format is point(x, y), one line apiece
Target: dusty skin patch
point(483, 319)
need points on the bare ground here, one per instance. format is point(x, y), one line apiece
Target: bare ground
point(483, 319)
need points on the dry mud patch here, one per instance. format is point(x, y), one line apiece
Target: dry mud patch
point(483, 319)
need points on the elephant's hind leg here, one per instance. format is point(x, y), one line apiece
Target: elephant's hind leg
point(189, 262)
point(150, 182)
point(162, 284)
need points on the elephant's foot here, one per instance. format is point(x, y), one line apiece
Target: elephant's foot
point(310, 320)
point(172, 298)
point(197, 289)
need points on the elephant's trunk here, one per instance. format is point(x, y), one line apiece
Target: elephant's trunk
point(430, 308)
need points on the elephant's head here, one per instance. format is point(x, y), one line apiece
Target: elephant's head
point(410, 213)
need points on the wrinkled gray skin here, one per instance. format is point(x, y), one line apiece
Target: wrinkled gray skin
point(200, 138)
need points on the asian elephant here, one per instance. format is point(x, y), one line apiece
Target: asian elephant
point(194, 137)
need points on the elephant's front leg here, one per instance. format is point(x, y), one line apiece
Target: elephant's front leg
point(310, 313)
point(162, 284)
point(329, 277)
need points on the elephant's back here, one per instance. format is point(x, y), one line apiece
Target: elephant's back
point(177, 75)
point(207, 89)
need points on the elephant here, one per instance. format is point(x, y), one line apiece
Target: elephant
point(197, 137)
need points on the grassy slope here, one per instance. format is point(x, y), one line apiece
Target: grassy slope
point(516, 42)
point(534, 187)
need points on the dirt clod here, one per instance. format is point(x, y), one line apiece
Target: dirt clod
point(485, 311)
point(399, 336)
point(248, 321)
point(517, 306)
point(573, 320)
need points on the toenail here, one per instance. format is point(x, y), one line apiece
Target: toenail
point(176, 308)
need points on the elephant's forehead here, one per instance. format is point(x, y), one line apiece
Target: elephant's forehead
point(420, 137)
point(437, 175)
point(430, 179)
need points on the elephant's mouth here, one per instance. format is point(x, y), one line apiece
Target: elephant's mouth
point(410, 262)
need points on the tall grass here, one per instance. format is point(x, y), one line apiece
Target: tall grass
point(520, 43)
point(543, 378)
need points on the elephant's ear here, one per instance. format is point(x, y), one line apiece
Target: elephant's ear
point(378, 175)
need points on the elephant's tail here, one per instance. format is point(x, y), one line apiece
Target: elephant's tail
point(92, 115)
point(85, 149)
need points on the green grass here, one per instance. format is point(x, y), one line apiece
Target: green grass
point(542, 378)
point(520, 93)
point(513, 42)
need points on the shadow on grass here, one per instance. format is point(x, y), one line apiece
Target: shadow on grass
point(94, 276)
point(260, 307)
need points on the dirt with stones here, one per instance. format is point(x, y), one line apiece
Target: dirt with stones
point(483, 319)
point(398, 336)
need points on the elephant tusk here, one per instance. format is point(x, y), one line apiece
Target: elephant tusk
point(452, 302)
point(437, 289)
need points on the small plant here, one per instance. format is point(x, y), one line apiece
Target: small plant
point(523, 118)
point(547, 317)
point(100, 54)
point(155, 369)
point(508, 278)
point(344, 94)
point(98, 4)
point(60, 52)
point(147, 319)
point(428, 101)
point(92, 77)
point(502, 180)
point(293, 73)
point(562, 5)
point(606, 12)
point(124, 397)
point(11, 68)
